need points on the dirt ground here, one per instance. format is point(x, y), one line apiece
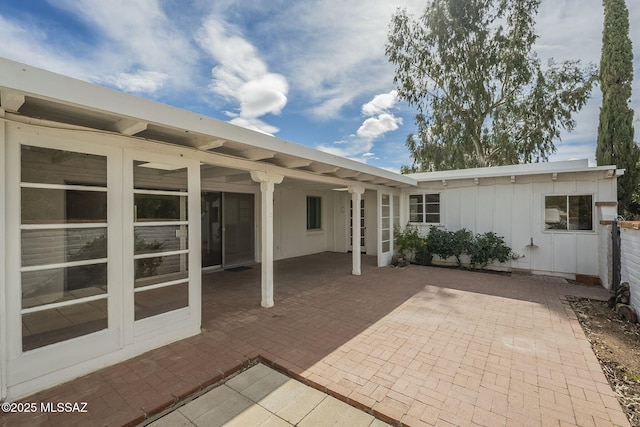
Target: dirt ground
point(616, 343)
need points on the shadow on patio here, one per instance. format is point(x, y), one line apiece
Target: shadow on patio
point(416, 345)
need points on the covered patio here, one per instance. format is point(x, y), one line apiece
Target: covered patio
point(417, 346)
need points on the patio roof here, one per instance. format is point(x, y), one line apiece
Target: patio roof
point(39, 94)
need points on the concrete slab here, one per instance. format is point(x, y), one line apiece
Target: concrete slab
point(327, 413)
point(295, 410)
point(278, 401)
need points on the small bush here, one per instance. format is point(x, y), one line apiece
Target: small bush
point(408, 241)
point(482, 248)
point(488, 247)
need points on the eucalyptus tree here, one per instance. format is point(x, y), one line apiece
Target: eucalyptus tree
point(482, 95)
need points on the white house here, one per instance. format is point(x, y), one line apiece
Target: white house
point(113, 206)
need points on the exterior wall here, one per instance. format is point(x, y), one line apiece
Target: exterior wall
point(290, 235)
point(630, 259)
point(515, 210)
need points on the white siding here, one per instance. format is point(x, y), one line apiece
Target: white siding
point(514, 209)
point(290, 234)
point(630, 263)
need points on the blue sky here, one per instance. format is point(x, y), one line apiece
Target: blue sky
point(309, 72)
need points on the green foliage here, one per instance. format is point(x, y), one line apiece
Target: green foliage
point(615, 129)
point(483, 98)
point(488, 247)
point(482, 248)
point(146, 267)
point(440, 242)
point(93, 249)
point(447, 244)
point(408, 241)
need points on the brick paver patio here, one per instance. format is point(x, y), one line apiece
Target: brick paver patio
point(420, 346)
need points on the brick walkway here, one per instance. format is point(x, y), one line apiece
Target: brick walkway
point(421, 346)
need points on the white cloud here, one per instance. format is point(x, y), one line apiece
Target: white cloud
point(241, 75)
point(138, 82)
point(375, 127)
point(353, 148)
point(335, 53)
point(136, 35)
point(380, 103)
point(359, 146)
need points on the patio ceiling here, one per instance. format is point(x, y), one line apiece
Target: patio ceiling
point(36, 94)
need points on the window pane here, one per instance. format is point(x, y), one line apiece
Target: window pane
point(396, 207)
point(162, 300)
point(386, 211)
point(432, 198)
point(416, 208)
point(432, 209)
point(41, 247)
point(157, 176)
point(386, 234)
point(433, 218)
point(45, 206)
point(62, 284)
point(160, 239)
point(60, 324)
point(386, 223)
point(580, 213)
point(150, 207)
point(48, 166)
point(386, 247)
point(555, 213)
point(160, 269)
point(314, 213)
point(385, 199)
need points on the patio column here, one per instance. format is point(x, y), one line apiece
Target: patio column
point(267, 183)
point(356, 197)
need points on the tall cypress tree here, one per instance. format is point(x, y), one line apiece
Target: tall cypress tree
point(615, 130)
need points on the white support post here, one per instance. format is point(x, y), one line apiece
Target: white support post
point(267, 184)
point(356, 197)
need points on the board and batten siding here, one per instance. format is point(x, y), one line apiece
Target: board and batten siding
point(515, 210)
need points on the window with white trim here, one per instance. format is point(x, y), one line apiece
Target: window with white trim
point(314, 213)
point(569, 213)
point(63, 245)
point(424, 208)
point(161, 252)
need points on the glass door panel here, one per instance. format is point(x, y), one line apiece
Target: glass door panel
point(238, 229)
point(211, 203)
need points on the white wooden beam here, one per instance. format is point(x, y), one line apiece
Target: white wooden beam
point(129, 127)
point(293, 163)
point(257, 154)
point(347, 173)
point(323, 168)
point(211, 144)
point(11, 101)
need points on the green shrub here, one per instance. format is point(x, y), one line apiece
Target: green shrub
point(440, 242)
point(408, 240)
point(482, 248)
point(488, 247)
